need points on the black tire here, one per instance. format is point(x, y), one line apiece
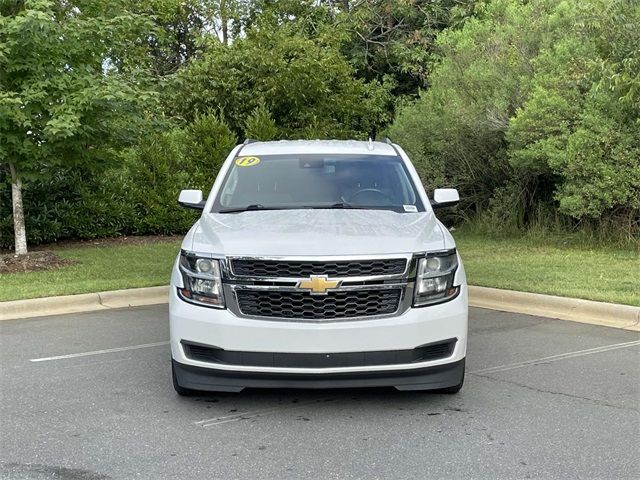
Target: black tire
point(180, 390)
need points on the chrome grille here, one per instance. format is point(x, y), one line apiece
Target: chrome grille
point(295, 269)
point(303, 306)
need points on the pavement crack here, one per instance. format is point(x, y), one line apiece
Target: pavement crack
point(100, 301)
point(552, 392)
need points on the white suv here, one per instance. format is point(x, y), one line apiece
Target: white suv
point(318, 264)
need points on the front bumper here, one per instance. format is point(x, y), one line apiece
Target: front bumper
point(426, 378)
point(223, 329)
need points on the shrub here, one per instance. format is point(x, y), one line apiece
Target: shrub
point(532, 114)
point(138, 197)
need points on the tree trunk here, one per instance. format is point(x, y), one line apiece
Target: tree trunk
point(224, 21)
point(18, 213)
point(225, 31)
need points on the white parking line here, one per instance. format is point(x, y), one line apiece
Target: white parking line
point(98, 352)
point(499, 368)
point(555, 358)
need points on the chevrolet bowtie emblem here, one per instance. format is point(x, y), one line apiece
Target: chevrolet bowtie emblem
point(318, 284)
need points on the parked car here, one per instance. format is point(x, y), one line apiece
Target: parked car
point(318, 264)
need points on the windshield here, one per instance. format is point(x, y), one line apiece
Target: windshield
point(317, 181)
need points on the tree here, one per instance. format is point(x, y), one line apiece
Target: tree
point(260, 125)
point(580, 120)
point(179, 26)
point(533, 108)
point(307, 85)
point(395, 40)
point(205, 144)
point(73, 88)
point(455, 132)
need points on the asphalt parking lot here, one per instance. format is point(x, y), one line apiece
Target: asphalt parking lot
point(89, 396)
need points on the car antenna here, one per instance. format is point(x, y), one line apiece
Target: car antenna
point(370, 145)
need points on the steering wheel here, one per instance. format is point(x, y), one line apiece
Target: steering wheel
point(375, 191)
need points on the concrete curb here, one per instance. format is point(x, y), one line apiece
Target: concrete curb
point(584, 311)
point(576, 310)
point(86, 302)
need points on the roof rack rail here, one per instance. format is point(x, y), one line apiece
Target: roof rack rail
point(388, 141)
point(247, 141)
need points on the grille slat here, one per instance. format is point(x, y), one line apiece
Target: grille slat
point(304, 306)
point(277, 268)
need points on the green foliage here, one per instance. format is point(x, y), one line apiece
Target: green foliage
point(174, 41)
point(154, 177)
point(601, 172)
point(138, 197)
point(260, 125)
point(65, 98)
point(533, 108)
point(529, 108)
point(307, 85)
point(394, 40)
point(204, 145)
point(573, 127)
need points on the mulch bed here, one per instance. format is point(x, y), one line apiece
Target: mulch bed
point(32, 262)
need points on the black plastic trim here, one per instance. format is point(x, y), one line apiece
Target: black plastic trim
point(435, 205)
point(194, 206)
point(218, 356)
point(215, 380)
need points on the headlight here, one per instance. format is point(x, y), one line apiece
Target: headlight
point(434, 279)
point(202, 280)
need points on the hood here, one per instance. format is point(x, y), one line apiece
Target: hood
point(316, 233)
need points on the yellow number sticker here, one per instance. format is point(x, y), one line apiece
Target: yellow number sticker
point(247, 161)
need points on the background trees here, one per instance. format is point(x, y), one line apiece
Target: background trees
point(308, 87)
point(70, 90)
point(528, 115)
point(529, 108)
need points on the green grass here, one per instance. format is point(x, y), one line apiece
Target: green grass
point(530, 264)
point(98, 269)
point(551, 265)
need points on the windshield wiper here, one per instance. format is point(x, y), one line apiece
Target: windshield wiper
point(255, 206)
point(333, 205)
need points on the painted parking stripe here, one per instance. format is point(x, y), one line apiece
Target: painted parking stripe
point(555, 358)
point(500, 368)
point(99, 352)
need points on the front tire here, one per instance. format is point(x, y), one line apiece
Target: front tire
point(180, 390)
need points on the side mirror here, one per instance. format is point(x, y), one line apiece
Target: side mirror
point(191, 199)
point(445, 197)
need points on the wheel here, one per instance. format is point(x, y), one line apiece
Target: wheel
point(180, 390)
